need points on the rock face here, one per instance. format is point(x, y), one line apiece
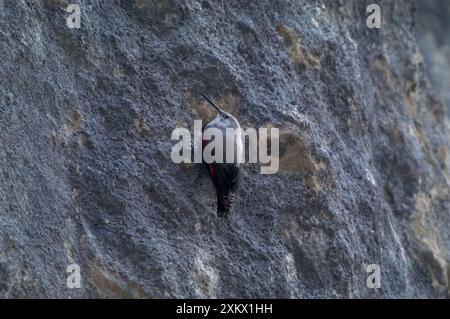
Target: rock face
point(86, 117)
point(433, 24)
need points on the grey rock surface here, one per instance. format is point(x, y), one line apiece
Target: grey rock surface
point(86, 117)
point(433, 26)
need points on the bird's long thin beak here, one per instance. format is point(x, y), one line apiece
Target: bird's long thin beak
point(212, 103)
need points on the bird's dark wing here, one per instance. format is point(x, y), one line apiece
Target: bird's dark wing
point(226, 181)
point(225, 178)
point(210, 167)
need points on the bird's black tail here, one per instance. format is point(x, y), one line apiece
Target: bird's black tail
point(226, 181)
point(224, 204)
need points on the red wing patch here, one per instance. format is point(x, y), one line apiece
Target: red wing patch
point(211, 167)
point(212, 170)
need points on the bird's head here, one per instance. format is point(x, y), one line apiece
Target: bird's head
point(224, 116)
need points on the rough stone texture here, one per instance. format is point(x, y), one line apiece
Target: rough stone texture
point(86, 117)
point(433, 25)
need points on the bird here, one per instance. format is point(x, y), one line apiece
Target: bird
point(225, 176)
